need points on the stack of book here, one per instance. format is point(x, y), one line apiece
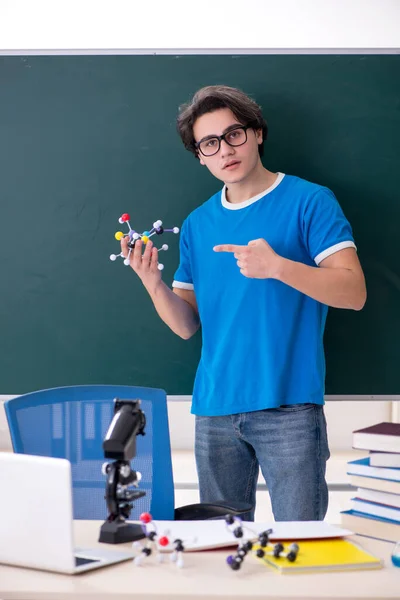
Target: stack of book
point(375, 510)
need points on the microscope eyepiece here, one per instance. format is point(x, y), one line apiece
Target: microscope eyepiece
point(128, 422)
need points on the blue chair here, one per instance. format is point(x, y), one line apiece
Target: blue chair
point(71, 422)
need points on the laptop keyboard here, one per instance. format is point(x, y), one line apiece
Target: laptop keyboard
point(79, 560)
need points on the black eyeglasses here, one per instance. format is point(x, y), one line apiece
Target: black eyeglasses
point(234, 137)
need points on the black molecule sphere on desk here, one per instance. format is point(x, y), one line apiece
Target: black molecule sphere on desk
point(133, 236)
point(235, 525)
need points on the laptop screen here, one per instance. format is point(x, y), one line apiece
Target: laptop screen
point(79, 560)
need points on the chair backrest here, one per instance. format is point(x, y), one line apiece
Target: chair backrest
point(71, 422)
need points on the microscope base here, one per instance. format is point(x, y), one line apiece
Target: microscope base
point(119, 532)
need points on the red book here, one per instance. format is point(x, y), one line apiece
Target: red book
point(382, 436)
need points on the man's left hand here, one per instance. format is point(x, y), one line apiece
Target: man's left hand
point(257, 260)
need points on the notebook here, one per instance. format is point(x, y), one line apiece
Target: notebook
point(324, 555)
point(212, 534)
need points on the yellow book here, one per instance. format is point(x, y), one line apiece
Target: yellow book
point(323, 555)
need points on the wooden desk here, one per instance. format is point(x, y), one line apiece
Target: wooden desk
point(205, 576)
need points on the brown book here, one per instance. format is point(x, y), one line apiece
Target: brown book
point(372, 483)
point(376, 527)
point(382, 436)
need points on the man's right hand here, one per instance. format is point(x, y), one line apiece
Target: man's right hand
point(180, 314)
point(145, 265)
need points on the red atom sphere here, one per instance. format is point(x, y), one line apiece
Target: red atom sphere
point(125, 217)
point(145, 517)
point(163, 541)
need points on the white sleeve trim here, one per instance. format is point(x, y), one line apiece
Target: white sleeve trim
point(182, 285)
point(332, 250)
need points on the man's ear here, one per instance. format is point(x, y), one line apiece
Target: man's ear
point(259, 136)
point(200, 159)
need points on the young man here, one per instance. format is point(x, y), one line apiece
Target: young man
point(260, 262)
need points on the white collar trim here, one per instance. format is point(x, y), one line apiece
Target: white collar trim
point(239, 205)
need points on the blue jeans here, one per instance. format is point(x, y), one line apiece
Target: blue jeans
point(290, 445)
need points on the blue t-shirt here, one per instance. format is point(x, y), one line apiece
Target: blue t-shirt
point(262, 339)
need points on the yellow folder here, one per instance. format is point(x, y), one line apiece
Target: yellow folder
point(323, 555)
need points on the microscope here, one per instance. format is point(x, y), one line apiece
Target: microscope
point(119, 445)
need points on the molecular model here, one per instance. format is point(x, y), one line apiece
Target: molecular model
point(145, 236)
point(236, 526)
point(153, 543)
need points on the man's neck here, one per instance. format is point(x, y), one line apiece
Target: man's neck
point(259, 181)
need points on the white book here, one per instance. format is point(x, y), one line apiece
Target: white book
point(371, 526)
point(362, 466)
point(378, 510)
point(384, 459)
point(380, 497)
point(373, 483)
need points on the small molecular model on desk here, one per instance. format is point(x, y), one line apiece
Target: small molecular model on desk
point(154, 542)
point(145, 236)
point(261, 548)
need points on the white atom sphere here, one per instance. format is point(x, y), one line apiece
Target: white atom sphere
point(113, 257)
point(160, 267)
point(135, 236)
point(157, 224)
point(138, 560)
point(120, 220)
point(126, 262)
point(176, 230)
point(125, 470)
point(164, 247)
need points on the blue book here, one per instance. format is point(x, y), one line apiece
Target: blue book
point(371, 525)
point(355, 513)
point(376, 509)
point(362, 467)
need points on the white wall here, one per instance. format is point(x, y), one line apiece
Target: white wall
point(206, 24)
point(342, 417)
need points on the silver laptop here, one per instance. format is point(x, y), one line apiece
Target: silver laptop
point(36, 524)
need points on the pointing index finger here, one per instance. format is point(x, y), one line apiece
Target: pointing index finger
point(228, 248)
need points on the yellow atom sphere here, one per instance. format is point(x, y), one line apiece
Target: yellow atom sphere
point(145, 239)
point(119, 235)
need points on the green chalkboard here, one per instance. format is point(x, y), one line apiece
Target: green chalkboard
point(86, 138)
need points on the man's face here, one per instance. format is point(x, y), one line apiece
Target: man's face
point(231, 164)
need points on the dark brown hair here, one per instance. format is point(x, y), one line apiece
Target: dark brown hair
point(211, 98)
